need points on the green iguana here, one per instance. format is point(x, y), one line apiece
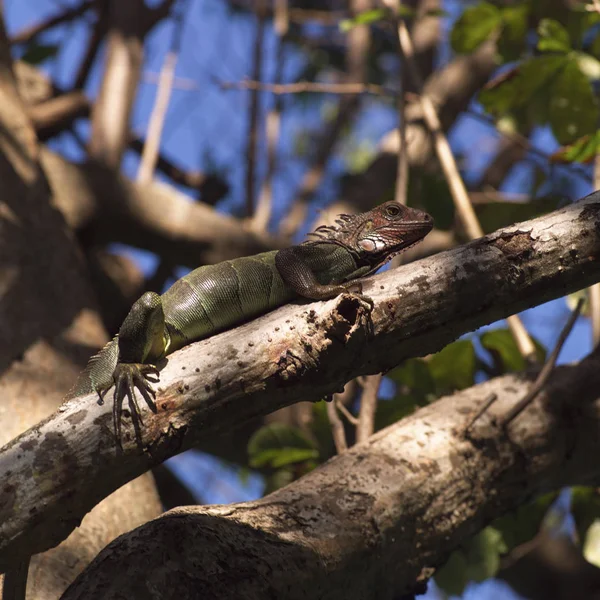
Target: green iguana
point(217, 297)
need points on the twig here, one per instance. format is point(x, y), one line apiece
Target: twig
point(251, 148)
point(547, 369)
point(402, 169)
point(98, 33)
point(463, 205)
point(368, 407)
point(519, 139)
point(479, 413)
point(313, 87)
point(161, 104)
point(359, 41)
point(191, 179)
point(342, 408)
point(264, 207)
point(594, 290)
point(28, 33)
point(14, 585)
point(304, 15)
point(337, 428)
point(179, 83)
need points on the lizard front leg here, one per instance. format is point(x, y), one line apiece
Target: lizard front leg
point(141, 342)
point(299, 276)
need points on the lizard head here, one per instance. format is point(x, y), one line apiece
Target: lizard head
point(379, 234)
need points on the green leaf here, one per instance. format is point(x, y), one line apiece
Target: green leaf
point(518, 88)
point(573, 110)
point(394, 410)
point(504, 351)
point(522, 524)
point(591, 545)
point(589, 65)
point(363, 18)
point(512, 39)
point(435, 197)
point(452, 577)
point(583, 150)
point(320, 428)
point(38, 53)
point(453, 368)
point(585, 508)
point(414, 374)
point(553, 37)
point(476, 560)
point(278, 479)
point(474, 26)
point(277, 445)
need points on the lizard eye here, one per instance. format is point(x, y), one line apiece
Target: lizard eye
point(393, 210)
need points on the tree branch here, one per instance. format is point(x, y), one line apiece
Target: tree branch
point(68, 14)
point(112, 109)
point(397, 504)
point(295, 353)
point(154, 216)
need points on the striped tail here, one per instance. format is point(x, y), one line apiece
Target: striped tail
point(98, 374)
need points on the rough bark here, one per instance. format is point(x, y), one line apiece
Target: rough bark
point(375, 521)
point(293, 354)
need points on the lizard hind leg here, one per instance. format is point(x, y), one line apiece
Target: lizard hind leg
point(127, 377)
point(141, 343)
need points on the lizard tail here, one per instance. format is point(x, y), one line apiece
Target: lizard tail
point(98, 374)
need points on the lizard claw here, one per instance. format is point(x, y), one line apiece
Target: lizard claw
point(127, 377)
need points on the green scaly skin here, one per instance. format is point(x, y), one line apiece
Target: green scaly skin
point(218, 297)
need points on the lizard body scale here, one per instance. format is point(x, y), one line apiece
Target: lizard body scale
point(215, 298)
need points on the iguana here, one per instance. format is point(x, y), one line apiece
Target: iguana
point(217, 297)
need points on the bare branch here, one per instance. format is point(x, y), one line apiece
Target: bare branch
point(368, 407)
point(359, 41)
point(154, 216)
point(253, 111)
point(457, 187)
point(150, 152)
point(337, 428)
point(68, 14)
point(98, 33)
point(442, 297)
point(342, 408)
point(524, 143)
point(112, 109)
point(262, 214)
point(594, 292)
point(313, 87)
point(544, 375)
point(57, 114)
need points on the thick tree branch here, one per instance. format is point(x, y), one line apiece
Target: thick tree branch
point(376, 520)
point(293, 354)
point(111, 111)
point(152, 216)
point(56, 114)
